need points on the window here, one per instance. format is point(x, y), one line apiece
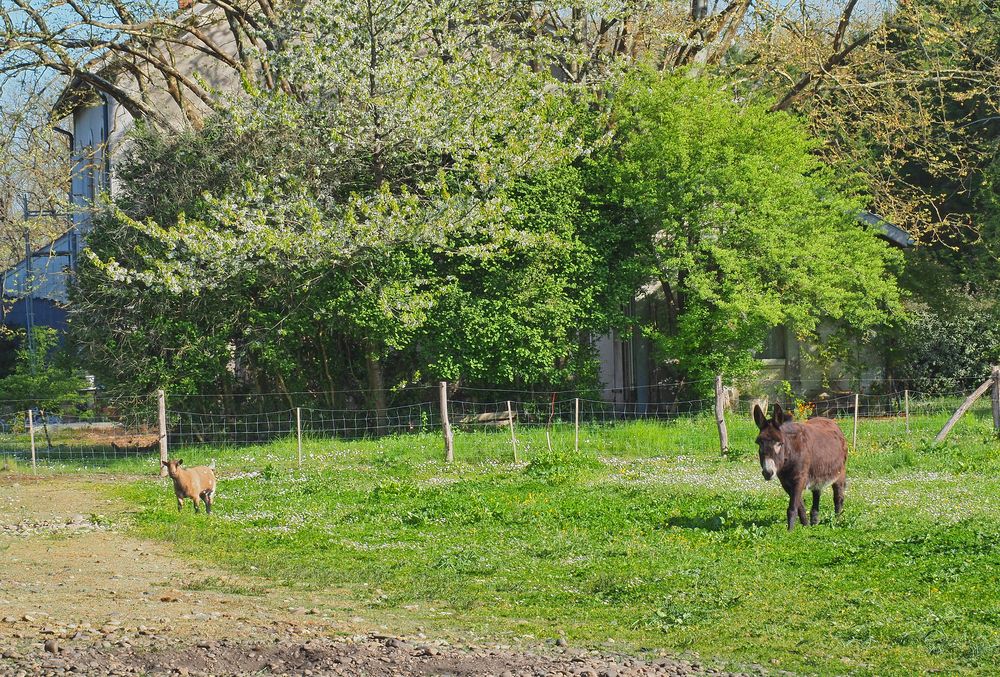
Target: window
point(774, 345)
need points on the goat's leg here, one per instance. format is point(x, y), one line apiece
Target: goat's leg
point(180, 504)
point(196, 501)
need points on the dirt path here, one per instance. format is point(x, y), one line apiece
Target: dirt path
point(78, 596)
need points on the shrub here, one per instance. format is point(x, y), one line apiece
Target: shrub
point(946, 349)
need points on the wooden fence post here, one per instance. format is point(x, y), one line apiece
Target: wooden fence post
point(969, 401)
point(996, 400)
point(548, 424)
point(449, 450)
point(854, 439)
point(31, 432)
point(161, 407)
point(298, 431)
point(576, 424)
point(720, 415)
point(906, 399)
point(510, 422)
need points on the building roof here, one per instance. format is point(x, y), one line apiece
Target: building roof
point(890, 231)
point(75, 94)
point(109, 66)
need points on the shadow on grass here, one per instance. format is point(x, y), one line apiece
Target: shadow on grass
point(718, 522)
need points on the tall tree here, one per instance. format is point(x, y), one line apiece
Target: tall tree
point(34, 172)
point(148, 55)
point(343, 218)
point(728, 207)
point(918, 113)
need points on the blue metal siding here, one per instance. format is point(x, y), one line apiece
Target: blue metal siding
point(52, 265)
point(46, 313)
point(91, 167)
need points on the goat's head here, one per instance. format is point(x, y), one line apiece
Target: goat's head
point(172, 466)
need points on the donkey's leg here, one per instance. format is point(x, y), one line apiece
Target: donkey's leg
point(838, 494)
point(800, 507)
point(814, 513)
point(792, 510)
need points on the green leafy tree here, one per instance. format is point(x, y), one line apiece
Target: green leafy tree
point(44, 378)
point(354, 233)
point(947, 349)
point(952, 334)
point(727, 208)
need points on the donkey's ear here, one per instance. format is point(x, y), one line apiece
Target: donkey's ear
point(781, 416)
point(759, 417)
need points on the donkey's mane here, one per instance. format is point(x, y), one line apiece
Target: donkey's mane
point(792, 428)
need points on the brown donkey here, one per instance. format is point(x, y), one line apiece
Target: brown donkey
point(810, 455)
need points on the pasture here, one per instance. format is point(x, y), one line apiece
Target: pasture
point(647, 538)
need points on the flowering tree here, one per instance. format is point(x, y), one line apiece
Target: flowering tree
point(354, 216)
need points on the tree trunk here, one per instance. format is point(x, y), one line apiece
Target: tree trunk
point(331, 384)
point(283, 389)
point(376, 386)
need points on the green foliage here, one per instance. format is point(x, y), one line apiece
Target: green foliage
point(560, 464)
point(950, 347)
point(730, 212)
point(44, 379)
point(952, 334)
point(948, 161)
point(392, 224)
point(514, 315)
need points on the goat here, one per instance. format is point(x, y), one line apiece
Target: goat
point(196, 483)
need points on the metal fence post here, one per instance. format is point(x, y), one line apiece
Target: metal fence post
point(31, 432)
point(161, 406)
point(298, 431)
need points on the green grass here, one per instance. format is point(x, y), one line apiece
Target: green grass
point(648, 537)
point(216, 584)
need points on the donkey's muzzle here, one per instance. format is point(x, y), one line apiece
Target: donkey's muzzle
point(768, 468)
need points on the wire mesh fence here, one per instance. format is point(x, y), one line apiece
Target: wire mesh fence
point(111, 430)
point(102, 428)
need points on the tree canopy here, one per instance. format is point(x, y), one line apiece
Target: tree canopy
point(244, 254)
point(391, 222)
point(728, 207)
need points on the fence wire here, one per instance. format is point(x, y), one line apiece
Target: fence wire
point(108, 430)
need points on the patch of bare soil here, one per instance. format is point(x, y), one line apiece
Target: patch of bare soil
point(78, 596)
